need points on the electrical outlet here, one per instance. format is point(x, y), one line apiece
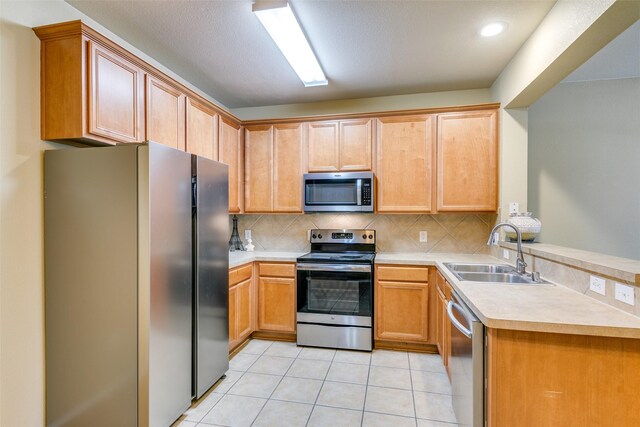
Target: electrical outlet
point(247, 234)
point(514, 207)
point(505, 254)
point(597, 285)
point(423, 237)
point(625, 293)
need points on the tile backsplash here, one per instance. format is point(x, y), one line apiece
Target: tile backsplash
point(460, 233)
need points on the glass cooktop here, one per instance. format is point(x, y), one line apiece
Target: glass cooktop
point(338, 257)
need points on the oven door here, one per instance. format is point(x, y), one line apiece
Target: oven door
point(335, 293)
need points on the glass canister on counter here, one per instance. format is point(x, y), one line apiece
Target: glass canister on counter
point(529, 227)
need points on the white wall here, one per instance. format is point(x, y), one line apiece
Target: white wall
point(584, 179)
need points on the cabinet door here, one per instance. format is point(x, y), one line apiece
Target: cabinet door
point(233, 323)
point(287, 168)
point(202, 130)
point(401, 312)
point(232, 154)
point(441, 317)
point(165, 113)
point(116, 95)
point(277, 304)
point(323, 143)
point(468, 161)
point(355, 145)
point(404, 166)
point(258, 169)
point(243, 309)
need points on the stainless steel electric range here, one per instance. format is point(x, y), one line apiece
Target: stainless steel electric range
point(335, 290)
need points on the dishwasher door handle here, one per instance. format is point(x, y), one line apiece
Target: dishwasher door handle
point(459, 326)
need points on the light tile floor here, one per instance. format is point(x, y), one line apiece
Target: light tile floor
point(280, 385)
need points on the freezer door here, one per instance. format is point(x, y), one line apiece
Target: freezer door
point(169, 283)
point(211, 259)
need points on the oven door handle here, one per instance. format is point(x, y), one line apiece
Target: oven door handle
point(334, 267)
point(459, 326)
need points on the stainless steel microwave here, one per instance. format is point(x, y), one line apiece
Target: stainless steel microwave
point(338, 192)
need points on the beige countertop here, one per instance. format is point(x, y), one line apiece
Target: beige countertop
point(555, 309)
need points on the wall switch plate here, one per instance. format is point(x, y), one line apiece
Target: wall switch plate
point(626, 294)
point(505, 253)
point(423, 237)
point(514, 207)
point(247, 234)
point(597, 285)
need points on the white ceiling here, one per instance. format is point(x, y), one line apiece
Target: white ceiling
point(620, 59)
point(366, 48)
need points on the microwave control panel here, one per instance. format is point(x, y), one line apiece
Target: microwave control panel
point(366, 192)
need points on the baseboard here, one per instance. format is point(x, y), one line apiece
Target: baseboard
point(276, 336)
point(405, 346)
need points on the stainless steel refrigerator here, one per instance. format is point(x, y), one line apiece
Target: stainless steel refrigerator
point(136, 283)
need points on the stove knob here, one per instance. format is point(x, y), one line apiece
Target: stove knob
point(364, 236)
point(371, 236)
point(319, 236)
point(313, 236)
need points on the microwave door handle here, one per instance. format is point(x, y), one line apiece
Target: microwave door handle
point(459, 326)
point(359, 191)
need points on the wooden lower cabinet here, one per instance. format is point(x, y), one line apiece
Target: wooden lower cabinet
point(402, 304)
point(241, 305)
point(276, 297)
point(544, 379)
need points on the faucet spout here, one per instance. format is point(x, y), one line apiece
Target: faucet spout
point(520, 264)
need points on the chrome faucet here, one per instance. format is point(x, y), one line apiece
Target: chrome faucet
point(520, 264)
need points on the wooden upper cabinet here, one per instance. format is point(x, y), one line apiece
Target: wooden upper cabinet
point(340, 145)
point(287, 167)
point(323, 143)
point(202, 130)
point(468, 161)
point(116, 96)
point(165, 113)
point(232, 153)
point(355, 145)
point(258, 171)
point(405, 172)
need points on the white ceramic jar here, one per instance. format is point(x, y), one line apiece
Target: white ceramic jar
point(529, 227)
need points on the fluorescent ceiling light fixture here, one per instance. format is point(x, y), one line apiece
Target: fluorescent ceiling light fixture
point(493, 29)
point(277, 17)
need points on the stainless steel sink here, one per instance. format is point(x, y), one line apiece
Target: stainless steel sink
point(491, 273)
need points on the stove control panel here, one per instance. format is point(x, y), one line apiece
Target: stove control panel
point(343, 236)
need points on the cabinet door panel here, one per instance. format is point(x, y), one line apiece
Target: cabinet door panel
point(243, 309)
point(355, 145)
point(202, 130)
point(115, 96)
point(232, 154)
point(165, 114)
point(405, 172)
point(287, 168)
point(402, 311)
point(258, 190)
point(323, 146)
point(233, 324)
point(277, 304)
point(468, 161)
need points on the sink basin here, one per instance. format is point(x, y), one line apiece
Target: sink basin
point(491, 273)
point(480, 268)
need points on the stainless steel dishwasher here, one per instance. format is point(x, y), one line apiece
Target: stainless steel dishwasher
point(466, 363)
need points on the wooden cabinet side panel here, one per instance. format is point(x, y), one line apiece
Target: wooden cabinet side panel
point(323, 146)
point(276, 304)
point(202, 130)
point(401, 312)
point(165, 108)
point(287, 168)
point(62, 79)
point(542, 379)
point(258, 190)
point(233, 322)
point(230, 146)
point(468, 161)
point(405, 171)
point(116, 94)
point(244, 309)
point(355, 145)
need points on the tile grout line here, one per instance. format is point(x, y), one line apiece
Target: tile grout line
point(321, 387)
point(413, 393)
point(366, 390)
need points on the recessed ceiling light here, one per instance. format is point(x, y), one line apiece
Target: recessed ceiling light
point(283, 27)
point(493, 29)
